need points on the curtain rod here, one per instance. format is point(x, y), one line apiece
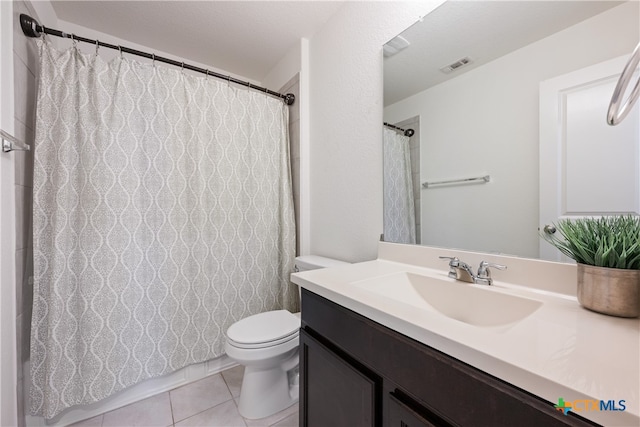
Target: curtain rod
point(407, 132)
point(31, 28)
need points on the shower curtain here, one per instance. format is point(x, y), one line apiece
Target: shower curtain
point(399, 216)
point(163, 213)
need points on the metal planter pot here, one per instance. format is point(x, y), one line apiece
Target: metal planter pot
point(611, 291)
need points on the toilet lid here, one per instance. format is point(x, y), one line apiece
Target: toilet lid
point(264, 327)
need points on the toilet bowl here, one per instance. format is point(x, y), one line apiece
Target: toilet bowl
point(267, 345)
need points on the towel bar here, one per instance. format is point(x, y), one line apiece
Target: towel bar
point(483, 179)
point(10, 143)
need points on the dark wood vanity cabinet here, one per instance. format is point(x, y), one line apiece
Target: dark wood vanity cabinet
point(355, 372)
point(337, 393)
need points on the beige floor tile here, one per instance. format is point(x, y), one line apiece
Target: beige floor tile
point(223, 415)
point(292, 420)
point(91, 422)
point(233, 378)
point(273, 419)
point(154, 411)
point(193, 398)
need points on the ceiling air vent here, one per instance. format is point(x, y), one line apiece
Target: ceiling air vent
point(456, 65)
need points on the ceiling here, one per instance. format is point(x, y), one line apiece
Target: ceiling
point(482, 30)
point(245, 38)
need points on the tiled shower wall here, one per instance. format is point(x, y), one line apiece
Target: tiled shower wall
point(25, 70)
point(293, 86)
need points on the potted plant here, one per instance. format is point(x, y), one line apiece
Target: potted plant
point(607, 251)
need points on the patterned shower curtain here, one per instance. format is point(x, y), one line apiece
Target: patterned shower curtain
point(163, 213)
point(399, 215)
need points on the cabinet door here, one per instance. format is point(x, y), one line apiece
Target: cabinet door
point(334, 392)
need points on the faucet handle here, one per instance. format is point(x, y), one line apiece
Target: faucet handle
point(454, 261)
point(484, 273)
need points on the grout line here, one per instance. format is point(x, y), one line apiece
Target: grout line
point(16, 54)
point(211, 407)
point(19, 120)
point(232, 398)
point(173, 418)
point(227, 384)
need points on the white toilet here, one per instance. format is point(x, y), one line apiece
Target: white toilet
point(267, 345)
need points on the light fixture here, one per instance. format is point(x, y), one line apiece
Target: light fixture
point(394, 46)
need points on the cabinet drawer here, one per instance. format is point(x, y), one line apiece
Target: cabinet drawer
point(400, 411)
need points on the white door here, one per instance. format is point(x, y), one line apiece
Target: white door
point(587, 168)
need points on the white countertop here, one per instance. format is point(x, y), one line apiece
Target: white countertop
point(561, 350)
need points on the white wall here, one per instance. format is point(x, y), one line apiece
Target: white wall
point(346, 125)
point(287, 67)
point(499, 136)
point(107, 54)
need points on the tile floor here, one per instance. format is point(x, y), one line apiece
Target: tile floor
point(210, 402)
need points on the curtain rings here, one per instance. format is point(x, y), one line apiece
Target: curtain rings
point(207, 75)
point(153, 60)
point(75, 42)
point(44, 32)
point(229, 80)
point(120, 49)
point(182, 68)
point(97, 46)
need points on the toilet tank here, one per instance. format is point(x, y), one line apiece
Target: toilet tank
point(313, 262)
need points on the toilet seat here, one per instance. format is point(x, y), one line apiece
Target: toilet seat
point(233, 343)
point(264, 330)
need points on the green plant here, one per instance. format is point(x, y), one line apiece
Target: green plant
point(612, 242)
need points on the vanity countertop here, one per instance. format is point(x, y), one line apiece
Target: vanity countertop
point(560, 351)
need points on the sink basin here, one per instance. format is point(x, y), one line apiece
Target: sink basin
point(465, 302)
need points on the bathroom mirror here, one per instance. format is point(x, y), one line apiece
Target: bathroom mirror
point(488, 86)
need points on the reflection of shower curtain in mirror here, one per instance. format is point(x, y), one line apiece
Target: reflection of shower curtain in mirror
point(399, 214)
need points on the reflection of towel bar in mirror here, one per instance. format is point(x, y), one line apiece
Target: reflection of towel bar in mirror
point(10, 143)
point(481, 179)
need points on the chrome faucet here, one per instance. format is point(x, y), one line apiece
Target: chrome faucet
point(484, 274)
point(462, 271)
point(459, 270)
